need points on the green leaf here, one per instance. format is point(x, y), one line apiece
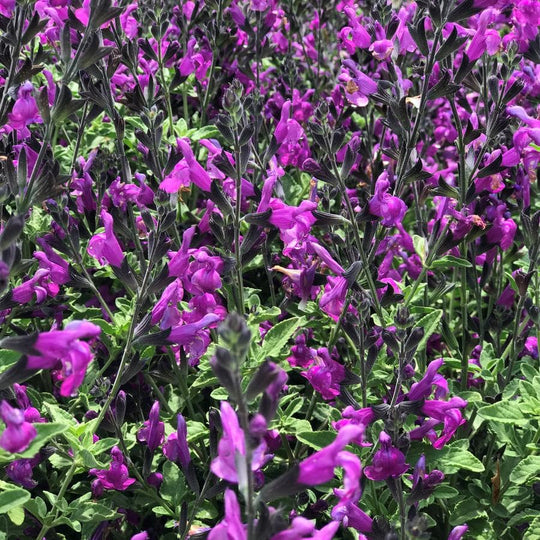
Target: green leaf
point(277, 337)
point(88, 511)
point(37, 507)
point(462, 459)
point(13, 498)
point(316, 439)
point(174, 487)
point(420, 246)
point(525, 516)
point(45, 432)
point(444, 491)
point(429, 323)
point(503, 411)
point(16, 515)
point(8, 358)
point(526, 470)
point(466, 511)
point(533, 531)
point(449, 261)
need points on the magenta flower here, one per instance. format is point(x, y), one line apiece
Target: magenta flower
point(381, 49)
point(231, 528)
point(359, 417)
point(25, 110)
point(503, 230)
point(179, 262)
point(319, 467)
point(176, 448)
point(20, 471)
point(104, 247)
point(153, 430)
point(388, 462)
point(422, 389)
point(423, 484)
point(458, 532)
point(358, 86)
point(166, 310)
point(6, 7)
point(65, 346)
point(39, 284)
point(232, 446)
point(305, 528)
point(325, 375)
point(437, 411)
point(18, 433)
point(186, 172)
point(301, 354)
point(355, 35)
point(288, 131)
point(115, 477)
point(391, 209)
point(187, 333)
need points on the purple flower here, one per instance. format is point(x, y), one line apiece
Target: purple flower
point(447, 412)
point(6, 7)
point(186, 172)
point(65, 346)
point(140, 536)
point(381, 49)
point(423, 484)
point(305, 528)
point(232, 447)
point(388, 462)
point(355, 35)
point(186, 334)
point(115, 477)
point(155, 479)
point(319, 467)
point(39, 284)
point(58, 268)
point(391, 209)
point(353, 516)
point(358, 86)
point(422, 389)
point(503, 230)
point(20, 471)
point(360, 417)
point(25, 110)
point(104, 247)
point(458, 532)
point(18, 433)
point(531, 347)
point(153, 430)
point(176, 448)
point(166, 308)
point(325, 375)
point(179, 262)
point(231, 528)
point(301, 354)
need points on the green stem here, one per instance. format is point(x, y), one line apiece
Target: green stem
point(54, 511)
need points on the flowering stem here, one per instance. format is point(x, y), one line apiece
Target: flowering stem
point(141, 295)
point(53, 514)
point(195, 506)
point(402, 514)
point(27, 199)
point(517, 333)
point(165, 89)
point(358, 241)
point(411, 142)
point(243, 415)
point(20, 17)
point(237, 212)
